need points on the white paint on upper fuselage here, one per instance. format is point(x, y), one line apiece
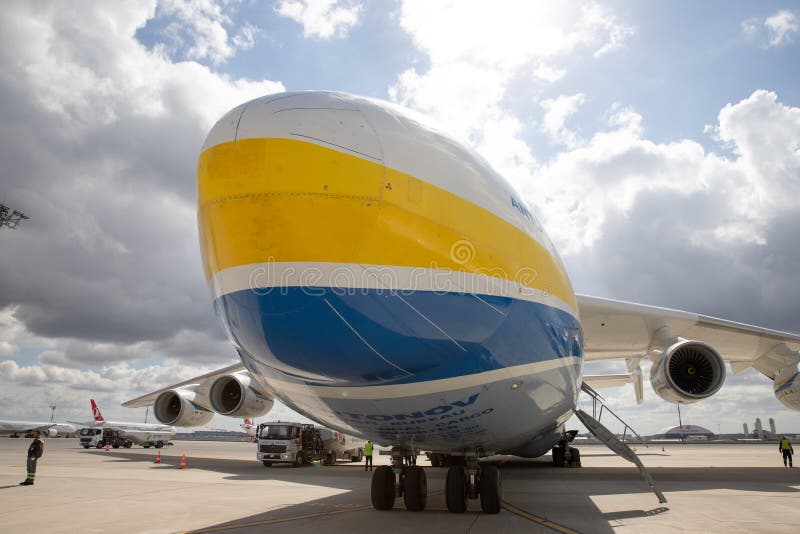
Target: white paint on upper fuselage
point(382, 132)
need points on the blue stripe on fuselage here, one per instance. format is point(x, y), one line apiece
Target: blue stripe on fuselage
point(366, 337)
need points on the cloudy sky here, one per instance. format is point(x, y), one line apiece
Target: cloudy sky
point(659, 143)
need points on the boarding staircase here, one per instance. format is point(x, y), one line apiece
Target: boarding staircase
point(611, 441)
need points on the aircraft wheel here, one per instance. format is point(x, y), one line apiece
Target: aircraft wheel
point(558, 457)
point(383, 488)
point(298, 460)
point(266, 463)
point(456, 490)
point(490, 489)
point(415, 489)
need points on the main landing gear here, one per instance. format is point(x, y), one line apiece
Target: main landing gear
point(469, 480)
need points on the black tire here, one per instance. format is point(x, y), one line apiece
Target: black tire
point(575, 455)
point(358, 457)
point(146, 446)
point(330, 459)
point(266, 463)
point(490, 489)
point(456, 490)
point(159, 444)
point(383, 488)
point(558, 457)
point(415, 489)
point(100, 445)
point(298, 460)
point(85, 446)
point(115, 446)
point(128, 445)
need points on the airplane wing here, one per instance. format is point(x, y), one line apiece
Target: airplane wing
point(199, 383)
point(623, 330)
point(19, 427)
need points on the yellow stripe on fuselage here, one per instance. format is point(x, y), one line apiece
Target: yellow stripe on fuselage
point(285, 200)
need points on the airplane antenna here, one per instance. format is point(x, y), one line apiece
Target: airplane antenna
point(52, 413)
point(10, 218)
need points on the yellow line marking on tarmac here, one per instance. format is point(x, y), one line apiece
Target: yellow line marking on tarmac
point(536, 519)
point(278, 520)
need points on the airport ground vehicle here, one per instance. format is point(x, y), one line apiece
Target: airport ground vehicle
point(298, 444)
point(116, 438)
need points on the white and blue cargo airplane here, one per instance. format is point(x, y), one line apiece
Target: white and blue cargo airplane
point(16, 429)
point(382, 279)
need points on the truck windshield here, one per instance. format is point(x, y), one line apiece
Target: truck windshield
point(277, 432)
point(86, 432)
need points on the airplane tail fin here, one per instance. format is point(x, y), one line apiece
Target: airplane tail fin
point(96, 412)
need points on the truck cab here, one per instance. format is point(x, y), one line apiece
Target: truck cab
point(91, 437)
point(300, 443)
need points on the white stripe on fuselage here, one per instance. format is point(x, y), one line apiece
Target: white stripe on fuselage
point(395, 391)
point(352, 276)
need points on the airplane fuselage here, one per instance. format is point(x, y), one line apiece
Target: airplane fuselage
point(380, 278)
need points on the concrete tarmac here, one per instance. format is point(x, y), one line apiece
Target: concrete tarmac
point(710, 488)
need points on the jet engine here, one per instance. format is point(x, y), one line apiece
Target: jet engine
point(181, 407)
point(238, 395)
point(687, 371)
point(51, 432)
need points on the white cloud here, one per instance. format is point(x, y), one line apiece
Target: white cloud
point(782, 27)
point(200, 29)
point(776, 30)
point(476, 50)
point(557, 111)
point(321, 19)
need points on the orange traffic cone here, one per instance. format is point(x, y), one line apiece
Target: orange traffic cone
point(183, 461)
point(158, 458)
point(107, 447)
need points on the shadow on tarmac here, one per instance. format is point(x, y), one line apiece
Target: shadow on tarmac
point(559, 500)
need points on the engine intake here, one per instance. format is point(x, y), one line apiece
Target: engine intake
point(687, 372)
point(181, 407)
point(237, 395)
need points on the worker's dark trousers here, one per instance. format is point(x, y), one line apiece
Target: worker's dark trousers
point(367, 463)
point(31, 468)
point(787, 454)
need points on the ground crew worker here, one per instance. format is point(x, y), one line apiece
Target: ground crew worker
point(786, 448)
point(368, 456)
point(34, 453)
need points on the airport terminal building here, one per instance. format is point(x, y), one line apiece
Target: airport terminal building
point(684, 432)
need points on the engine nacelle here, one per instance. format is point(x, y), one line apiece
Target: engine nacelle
point(51, 432)
point(180, 407)
point(687, 371)
point(238, 395)
point(787, 387)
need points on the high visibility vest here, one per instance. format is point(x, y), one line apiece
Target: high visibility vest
point(785, 445)
point(368, 449)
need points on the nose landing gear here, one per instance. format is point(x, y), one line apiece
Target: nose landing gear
point(468, 480)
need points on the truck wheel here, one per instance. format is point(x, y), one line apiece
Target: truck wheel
point(456, 490)
point(298, 460)
point(266, 463)
point(85, 446)
point(383, 488)
point(489, 489)
point(415, 488)
point(330, 459)
point(99, 444)
point(159, 444)
point(146, 445)
point(128, 444)
point(358, 457)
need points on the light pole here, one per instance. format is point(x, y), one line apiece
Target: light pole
point(52, 413)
